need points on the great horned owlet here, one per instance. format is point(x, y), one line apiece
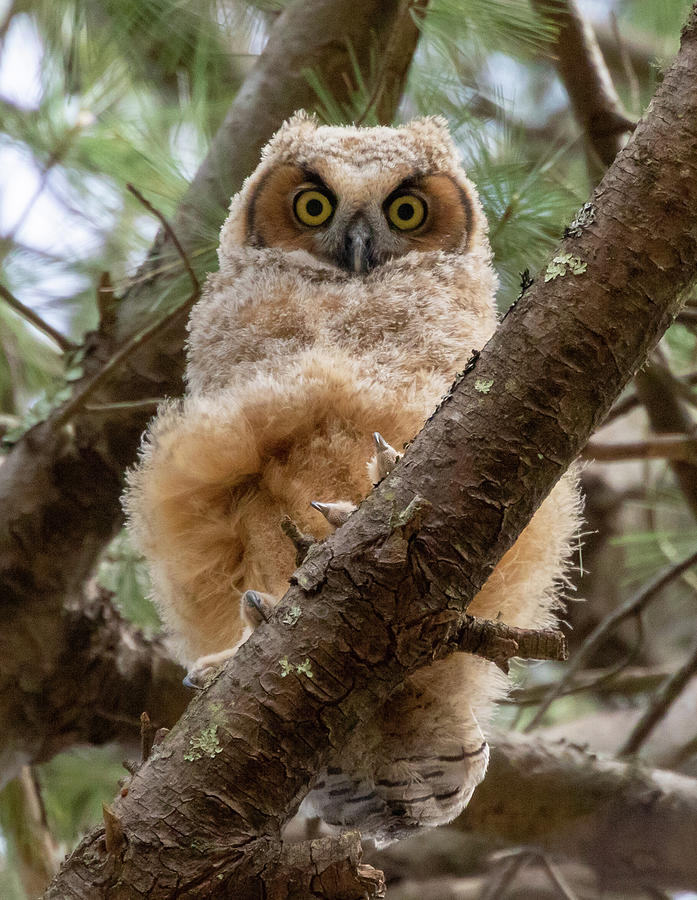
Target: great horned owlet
point(355, 280)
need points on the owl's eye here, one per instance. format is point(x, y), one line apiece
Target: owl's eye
point(313, 207)
point(406, 212)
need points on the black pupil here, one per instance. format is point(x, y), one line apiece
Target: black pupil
point(405, 211)
point(314, 207)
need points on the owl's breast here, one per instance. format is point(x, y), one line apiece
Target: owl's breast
point(401, 321)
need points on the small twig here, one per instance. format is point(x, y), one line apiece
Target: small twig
point(170, 234)
point(627, 682)
point(667, 695)
point(26, 313)
point(495, 887)
point(78, 401)
point(123, 404)
point(555, 876)
point(147, 736)
point(661, 446)
point(499, 642)
point(301, 541)
point(631, 607)
point(114, 838)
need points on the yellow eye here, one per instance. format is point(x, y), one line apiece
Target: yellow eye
point(312, 207)
point(406, 212)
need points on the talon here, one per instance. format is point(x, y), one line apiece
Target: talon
point(386, 456)
point(205, 667)
point(190, 680)
point(335, 513)
point(255, 608)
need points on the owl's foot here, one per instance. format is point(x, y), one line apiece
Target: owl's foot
point(255, 608)
point(205, 667)
point(335, 513)
point(383, 461)
point(380, 465)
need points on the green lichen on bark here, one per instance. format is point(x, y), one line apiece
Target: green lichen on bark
point(204, 744)
point(564, 263)
point(304, 668)
point(292, 616)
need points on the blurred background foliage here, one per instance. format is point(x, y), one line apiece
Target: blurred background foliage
point(97, 94)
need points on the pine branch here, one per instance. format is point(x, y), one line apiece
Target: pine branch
point(62, 342)
point(664, 446)
point(631, 607)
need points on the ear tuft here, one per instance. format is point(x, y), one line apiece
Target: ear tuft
point(301, 119)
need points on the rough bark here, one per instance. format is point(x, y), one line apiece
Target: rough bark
point(380, 599)
point(60, 486)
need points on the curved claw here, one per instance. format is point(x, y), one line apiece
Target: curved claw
point(205, 668)
point(256, 608)
point(385, 457)
point(335, 513)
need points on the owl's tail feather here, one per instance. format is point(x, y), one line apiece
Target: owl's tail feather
point(400, 797)
point(218, 472)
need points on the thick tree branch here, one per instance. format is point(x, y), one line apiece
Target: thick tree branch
point(584, 74)
point(60, 486)
point(379, 601)
point(633, 825)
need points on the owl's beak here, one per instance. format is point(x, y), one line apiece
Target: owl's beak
point(357, 250)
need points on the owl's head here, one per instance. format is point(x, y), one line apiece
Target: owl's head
point(357, 197)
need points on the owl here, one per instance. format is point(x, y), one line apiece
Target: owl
point(355, 280)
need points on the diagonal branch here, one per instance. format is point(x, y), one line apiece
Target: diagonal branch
point(593, 97)
point(376, 606)
point(61, 341)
